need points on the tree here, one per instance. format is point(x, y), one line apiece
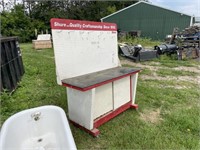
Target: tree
point(24, 18)
point(16, 23)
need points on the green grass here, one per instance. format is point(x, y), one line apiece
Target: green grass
point(38, 86)
point(145, 42)
point(171, 72)
point(179, 108)
point(171, 62)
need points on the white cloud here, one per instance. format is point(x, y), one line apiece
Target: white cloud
point(191, 7)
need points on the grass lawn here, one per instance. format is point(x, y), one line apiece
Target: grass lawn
point(168, 95)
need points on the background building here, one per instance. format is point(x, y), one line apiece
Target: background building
point(197, 21)
point(153, 21)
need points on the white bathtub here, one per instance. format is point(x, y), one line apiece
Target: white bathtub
point(41, 128)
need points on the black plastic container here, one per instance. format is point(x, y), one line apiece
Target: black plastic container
point(12, 68)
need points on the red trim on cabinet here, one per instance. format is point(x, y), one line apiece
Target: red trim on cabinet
point(98, 84)
point(134, 106)
point(94, 132)
point(73, 87)
point(105, 118)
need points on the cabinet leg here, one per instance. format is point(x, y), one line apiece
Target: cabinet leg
point(134, 106)
point(94, 132)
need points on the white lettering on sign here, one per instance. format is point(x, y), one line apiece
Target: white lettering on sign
point(112, 27)
point(92, 26)
point(83, 25)
point(59, 24)
point(77, 25)
point(106, 27)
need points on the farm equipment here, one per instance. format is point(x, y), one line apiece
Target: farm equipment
point(166, 49)
point(136, 53)
point(185, 44)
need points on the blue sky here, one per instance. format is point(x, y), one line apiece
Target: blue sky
point(190, 7)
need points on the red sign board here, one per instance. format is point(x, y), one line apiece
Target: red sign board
point(66, 24)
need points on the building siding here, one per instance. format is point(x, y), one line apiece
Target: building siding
point(154, 22)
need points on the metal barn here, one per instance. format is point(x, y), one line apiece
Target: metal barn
point(153, 21)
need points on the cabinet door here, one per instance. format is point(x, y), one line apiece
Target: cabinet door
point(80, 107)
point(121, 92)
point(103, 100)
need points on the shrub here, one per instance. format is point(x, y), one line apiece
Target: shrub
point(17, 23)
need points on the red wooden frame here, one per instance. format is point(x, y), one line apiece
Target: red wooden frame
point(105, 118)
point(94, 132)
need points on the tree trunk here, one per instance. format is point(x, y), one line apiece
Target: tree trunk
point(3, 5)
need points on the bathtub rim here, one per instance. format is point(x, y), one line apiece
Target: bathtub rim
point(63, 116)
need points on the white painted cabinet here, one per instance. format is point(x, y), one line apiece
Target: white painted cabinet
point(94, 105)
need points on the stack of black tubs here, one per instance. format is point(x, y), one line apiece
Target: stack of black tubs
point(12, 68)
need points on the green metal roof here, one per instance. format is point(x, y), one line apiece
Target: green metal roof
point(139, 3)
point(153, 21)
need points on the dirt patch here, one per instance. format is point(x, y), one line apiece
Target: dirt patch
point(195, 79)
point(191, 79)
point(178, 87)
point(190, 69)
point(155, 66)
point(151, 116)
point(142, 66)
point(128, 62)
